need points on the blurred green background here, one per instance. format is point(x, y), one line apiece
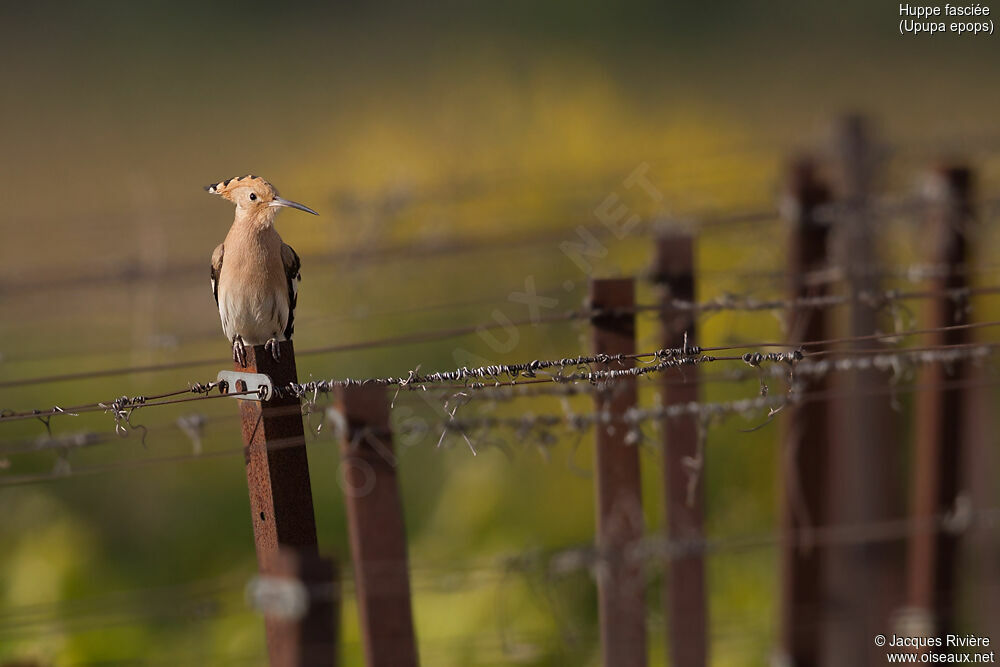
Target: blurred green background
point(409, 128)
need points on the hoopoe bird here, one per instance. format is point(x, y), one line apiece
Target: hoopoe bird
point(255, 275)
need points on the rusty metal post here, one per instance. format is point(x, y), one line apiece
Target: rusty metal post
point(281, 506)
point(620, 586)
point(377, 531)
point(683, 460)
point(864, 581)
point(980, 548)
point(940, 436)
point(804, 461)
point(307, 636)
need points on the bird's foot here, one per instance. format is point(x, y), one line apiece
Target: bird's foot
point(274, 348)
point(239, 351)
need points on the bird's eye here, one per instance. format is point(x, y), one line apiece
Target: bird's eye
point(253, 197)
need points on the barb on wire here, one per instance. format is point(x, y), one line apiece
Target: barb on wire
point(527, 428)
point(533, 424)
point(122, 407)
point(891, 361)
point(539, 371)
point(463, 398)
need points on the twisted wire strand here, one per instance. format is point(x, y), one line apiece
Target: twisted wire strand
point(813, 365)
point(719, 304)
point(732, 302)
point(123, 406)
point(527, 428)
point(895, 362)
point(502, 374)
point(722, 303)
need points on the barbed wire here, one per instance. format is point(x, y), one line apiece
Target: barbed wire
point(810, 366)
point(880, 337)
point(586, 558)
point(197, 600)
point(404, 339)
point(530, 429)
point(192, 424)
point(635, 417)
point(873, 299)
point(532, 372)
point(121, 408)
point(912, 273)
point(362, 314)
point(498, 375)
point(725, 302)
point(876, 299)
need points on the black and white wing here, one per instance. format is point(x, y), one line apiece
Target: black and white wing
point(216, 270)
point(291, 262)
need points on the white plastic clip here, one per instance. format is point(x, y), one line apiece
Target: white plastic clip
point(258, 383)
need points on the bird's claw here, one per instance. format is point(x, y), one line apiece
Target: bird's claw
point(239, 352)
point(274, 348)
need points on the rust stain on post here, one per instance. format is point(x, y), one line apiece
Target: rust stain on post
point(281, 506)
point(620, 585)
point(277, 469)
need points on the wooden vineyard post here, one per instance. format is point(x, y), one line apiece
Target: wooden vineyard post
point(940, 434)
point(620, 586)
point(281, 496)
point(683, 461)
point(377, 531)
point(804, 461)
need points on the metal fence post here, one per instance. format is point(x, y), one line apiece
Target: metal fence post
point(277, 471)
point(864, 581)
point(683, 461)
point(377, 531)
point(804, 461)
point(940, 435)
point(620, 586)
point(307, 636)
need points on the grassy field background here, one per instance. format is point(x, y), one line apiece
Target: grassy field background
point(405, 128)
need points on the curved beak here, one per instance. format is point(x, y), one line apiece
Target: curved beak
point(279, 202)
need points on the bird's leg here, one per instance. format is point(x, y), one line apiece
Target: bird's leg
point(239, 351)
point(272, 346)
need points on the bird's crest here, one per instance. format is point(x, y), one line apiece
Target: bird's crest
point(223, 188)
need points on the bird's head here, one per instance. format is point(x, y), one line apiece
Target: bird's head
point(255, 198)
